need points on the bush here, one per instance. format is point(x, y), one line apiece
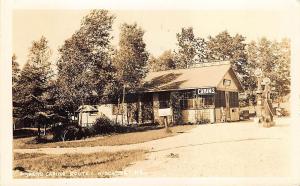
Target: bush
point(57, 131)
point(104, 125)
point(24, 133)
point(67, 132)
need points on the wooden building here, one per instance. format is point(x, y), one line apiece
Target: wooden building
point(204, 94)
point(87, 115)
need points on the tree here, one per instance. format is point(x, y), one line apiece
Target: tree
point(153, 64)
point(15, 70)
point(131, 57)
point(224, 47)
point(166, 61)
point(84, 66)
point(273, 58)
point(15, 78)
point(201, 50)
point(186, 48)
point(32, 88)
point(282, 79)
point(191, 49)
point(130, 60)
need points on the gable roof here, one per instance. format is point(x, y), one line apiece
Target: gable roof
point(87, 108)
point(206, 76)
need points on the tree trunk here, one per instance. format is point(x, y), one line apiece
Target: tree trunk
point(74, 114)
point(45, 129)
point(39, 130)
point(82, 105)
point(123, 99)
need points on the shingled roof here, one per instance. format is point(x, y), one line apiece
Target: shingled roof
point(205, 76)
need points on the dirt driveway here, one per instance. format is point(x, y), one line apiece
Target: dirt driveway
point(228, 149)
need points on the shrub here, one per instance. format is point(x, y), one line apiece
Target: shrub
point(72, 132)
point(24, 133)
point(104, 125)
point(57, 131)
point(67, 132)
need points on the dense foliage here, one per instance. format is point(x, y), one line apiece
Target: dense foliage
point(91, 71)
point(31, 92)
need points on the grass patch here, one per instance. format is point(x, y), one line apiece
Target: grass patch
point(92, 165)
point(108, 140)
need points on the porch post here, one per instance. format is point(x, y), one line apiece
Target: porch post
point(139, 109)
point(155, 108)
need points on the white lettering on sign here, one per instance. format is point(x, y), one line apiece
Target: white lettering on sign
point(205, 91)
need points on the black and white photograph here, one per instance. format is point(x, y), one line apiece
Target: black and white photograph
point(109, 93)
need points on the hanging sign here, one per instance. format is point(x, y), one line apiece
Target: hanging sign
point(206, 91)
point(165, 112)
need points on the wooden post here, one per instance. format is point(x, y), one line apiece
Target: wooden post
point(117, 114)
point(166, 122)
point(139, 109)
point(155, 108)
point(123, 99)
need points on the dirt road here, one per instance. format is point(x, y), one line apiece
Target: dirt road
point(227, 149)
point(232, 149)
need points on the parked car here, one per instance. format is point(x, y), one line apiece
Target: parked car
point(244, 115)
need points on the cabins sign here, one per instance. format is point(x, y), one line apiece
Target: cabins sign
point(206, 91)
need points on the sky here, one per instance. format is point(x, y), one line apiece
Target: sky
point(160, 26)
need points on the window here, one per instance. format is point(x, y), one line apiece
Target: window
point(209, 101)
point(199, 102)
point(226, 82)
point(189, 94)
point(115, 109)
point(164, 100)
point(233, 99)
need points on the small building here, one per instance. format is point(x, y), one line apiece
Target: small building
point(87, 115)
point(205, 94)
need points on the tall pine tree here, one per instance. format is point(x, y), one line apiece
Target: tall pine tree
point(32, 88)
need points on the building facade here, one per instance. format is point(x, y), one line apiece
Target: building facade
point(204, 94)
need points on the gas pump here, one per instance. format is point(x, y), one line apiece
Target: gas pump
point(268, 111)
point(265, 109)
point(258, 74)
